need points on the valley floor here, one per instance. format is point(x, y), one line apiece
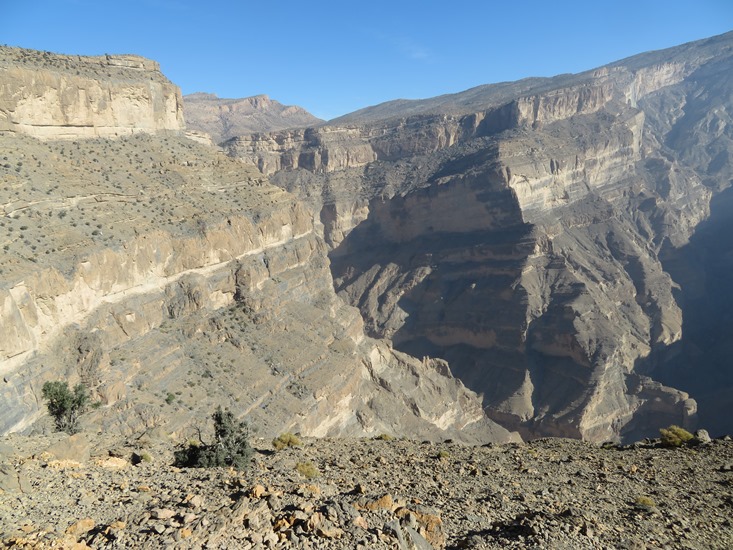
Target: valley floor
point(360, 493)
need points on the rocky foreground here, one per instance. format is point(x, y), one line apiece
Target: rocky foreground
point(90, 491)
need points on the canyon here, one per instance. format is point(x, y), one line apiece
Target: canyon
point(552, 239)
point(539, 258)
point(170, 279)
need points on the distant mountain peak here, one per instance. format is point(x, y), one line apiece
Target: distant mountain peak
point(224, 118)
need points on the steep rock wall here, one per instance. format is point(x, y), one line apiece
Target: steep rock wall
point(52, 96)
point(522, 241)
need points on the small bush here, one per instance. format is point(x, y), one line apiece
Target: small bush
point(285, 440)
point(674, 436)
point(384, 437)
point(230, 448)
point(644, 502)
point(442, 455)
point(64, 405)
point(307, 469)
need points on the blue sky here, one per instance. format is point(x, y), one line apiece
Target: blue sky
point(333, 57)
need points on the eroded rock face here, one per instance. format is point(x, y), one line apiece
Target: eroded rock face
point(521, 231)
point(52, 96)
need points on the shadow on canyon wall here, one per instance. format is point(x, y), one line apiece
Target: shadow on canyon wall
point(701, 363)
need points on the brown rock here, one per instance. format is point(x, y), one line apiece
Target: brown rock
point(163, 513)
point(80, 527)
point(314, 521)
point(113, 392)
point(257, 491)
point(113, 463)
point(359, 521)
point(430, 525)
point(329, 531)
point(194, 501)
point(385, 502)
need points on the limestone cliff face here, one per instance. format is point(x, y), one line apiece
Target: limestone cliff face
point(52, 96)
point(522, 231)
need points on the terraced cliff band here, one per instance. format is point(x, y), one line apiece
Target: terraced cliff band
point(532, 234)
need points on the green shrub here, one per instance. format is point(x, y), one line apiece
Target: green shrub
point(64, 405)
point(307, 469)
point(230, 448)
point(674, 436)
point(285, 440)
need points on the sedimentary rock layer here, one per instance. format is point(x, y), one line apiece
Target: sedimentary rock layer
point(52, 96)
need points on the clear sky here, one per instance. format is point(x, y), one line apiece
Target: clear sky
point(333, 57)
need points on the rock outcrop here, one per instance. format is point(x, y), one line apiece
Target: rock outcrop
point(522, 231)
point(224, 119)
point(52, 96)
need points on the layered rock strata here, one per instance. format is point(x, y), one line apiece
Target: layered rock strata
point(520, 231)
point(169, 279)
point(52, 96)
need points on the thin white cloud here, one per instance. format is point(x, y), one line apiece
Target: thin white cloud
point(411, 49)
point(404, 46)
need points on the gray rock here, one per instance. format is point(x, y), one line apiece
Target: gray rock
point(75, 448)
point(9, 480)
point(702, 437)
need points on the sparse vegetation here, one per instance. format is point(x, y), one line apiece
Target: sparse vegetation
point(65, 405)
point(231, 445)
point(307, 469)
point(384, 437)
point(674, 436)
point(644, 502)
point(285, 440)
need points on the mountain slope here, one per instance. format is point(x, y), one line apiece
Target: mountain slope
point(224, 119)
point(170, 279)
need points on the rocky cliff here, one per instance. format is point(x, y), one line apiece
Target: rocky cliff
point(52, 96)
point(526, 233)
point(224, 119)
point(169, 279)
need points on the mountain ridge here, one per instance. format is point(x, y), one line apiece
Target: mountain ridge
point(224, 118)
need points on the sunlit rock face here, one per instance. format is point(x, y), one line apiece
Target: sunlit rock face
point(52, 96)
point(535, 234)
